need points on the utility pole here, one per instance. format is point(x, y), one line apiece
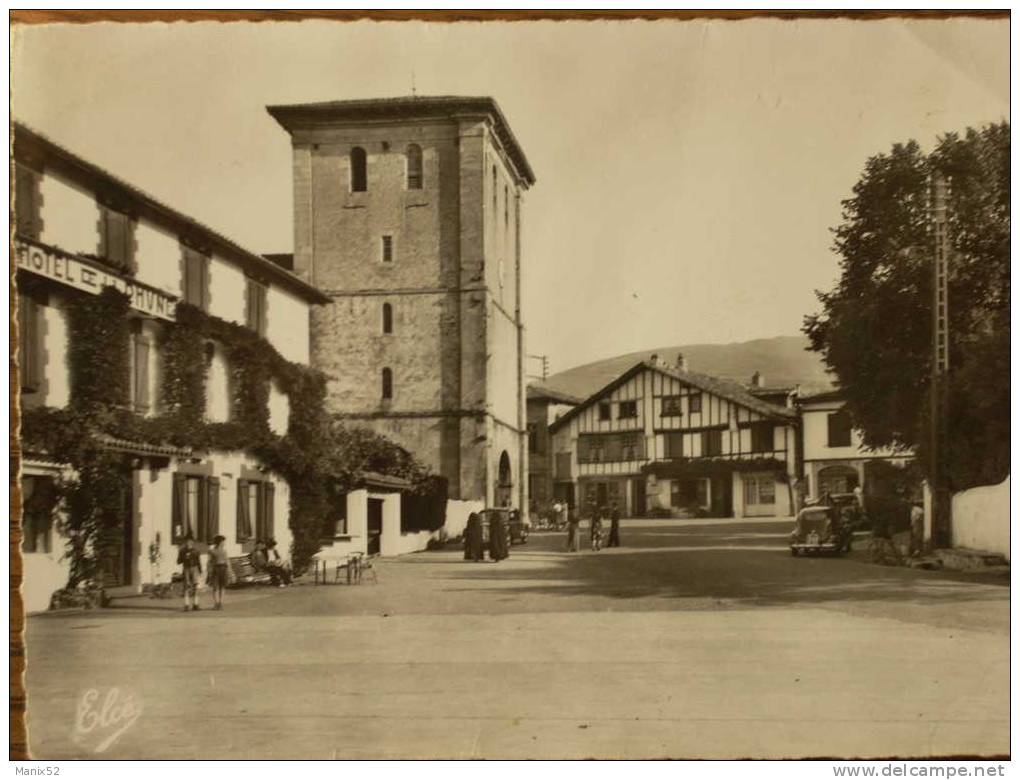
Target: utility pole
point(544, 359)
point(937, 472)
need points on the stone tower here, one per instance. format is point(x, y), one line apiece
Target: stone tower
point(407, 215)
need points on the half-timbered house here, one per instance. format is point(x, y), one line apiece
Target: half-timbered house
point(662, 439)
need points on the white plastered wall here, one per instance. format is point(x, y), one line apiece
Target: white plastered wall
point(287, 325)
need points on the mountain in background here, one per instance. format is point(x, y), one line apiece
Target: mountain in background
point(784, 361)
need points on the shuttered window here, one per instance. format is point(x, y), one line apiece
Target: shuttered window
point(674, 445)
point(415, 177)
point(255, 306)
point(256, 501)
point(117, 239)
point(671, 406)
point(195, 283)
point(762, 437)
point(244, 513)
point(694, 403)
point(30, 344)
point(195, 508)
point(140, 348)
point(27, 202)
point(711, 443)
point(839, 429)
point(611, 448)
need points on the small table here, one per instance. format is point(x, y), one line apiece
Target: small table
point(348, 559)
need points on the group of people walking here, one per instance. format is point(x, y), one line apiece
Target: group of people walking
point(264, 558)
point(597, 514)
point(474, 538)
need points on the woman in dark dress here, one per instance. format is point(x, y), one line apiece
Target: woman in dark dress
point(614, 526)
point(473, 548)
point(497, 537)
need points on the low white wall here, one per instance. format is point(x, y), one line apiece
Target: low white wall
point(457, 513)
point(981, 518)
point(408, 543)
point(44, 573)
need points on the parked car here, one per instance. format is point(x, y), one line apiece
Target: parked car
point(823, 528)
point(517, 529)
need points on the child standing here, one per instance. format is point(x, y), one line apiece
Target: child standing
point(218, 570)
point(191, 568)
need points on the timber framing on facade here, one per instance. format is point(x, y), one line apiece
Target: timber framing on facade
point(660, 438)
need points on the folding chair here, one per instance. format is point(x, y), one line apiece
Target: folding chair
point(347, 564)
point(366, 565)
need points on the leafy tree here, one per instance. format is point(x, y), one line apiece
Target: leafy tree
point(874, 330)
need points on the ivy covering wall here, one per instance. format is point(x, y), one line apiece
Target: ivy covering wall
point(319, 458)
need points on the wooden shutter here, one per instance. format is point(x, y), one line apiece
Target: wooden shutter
point(178, 509)
point(268, 509)
point(115, 238)
point(263, 306)
point(203, 282)
point(29, 344)
point(195, 287)
point(252, 304)
point(212, 507)
point(243, 516)
point(188, 277)
point(141, 375)
point(27, 201)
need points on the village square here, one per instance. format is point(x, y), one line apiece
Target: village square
point(342, 498)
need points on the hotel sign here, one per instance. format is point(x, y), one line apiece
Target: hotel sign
point(90, 277)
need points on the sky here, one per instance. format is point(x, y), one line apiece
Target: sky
point(689, 173)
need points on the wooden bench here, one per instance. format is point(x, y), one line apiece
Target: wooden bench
point(245, 574)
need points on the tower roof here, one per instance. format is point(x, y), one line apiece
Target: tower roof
point(305, 115)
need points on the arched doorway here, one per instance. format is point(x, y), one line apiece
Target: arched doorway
point(837, 479)
point(504, 481)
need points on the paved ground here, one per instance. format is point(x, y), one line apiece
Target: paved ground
point(696, 639)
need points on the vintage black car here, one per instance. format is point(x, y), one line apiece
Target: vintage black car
point(516, 527)
point(824, 528)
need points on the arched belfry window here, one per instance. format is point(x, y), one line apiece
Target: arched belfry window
point(359, 170)
point(415, 178)
point(387, 318)
point(387, 384)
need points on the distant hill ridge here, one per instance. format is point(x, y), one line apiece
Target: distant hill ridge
point(784, 361)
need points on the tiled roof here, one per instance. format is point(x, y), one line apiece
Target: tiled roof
point(142, 448)
point(726, 389)
point(723, 388)
point(374, 479)
point(829, 395)
point(32, 144)
point(770, 390)
point(408, 108)
point(539, 391)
